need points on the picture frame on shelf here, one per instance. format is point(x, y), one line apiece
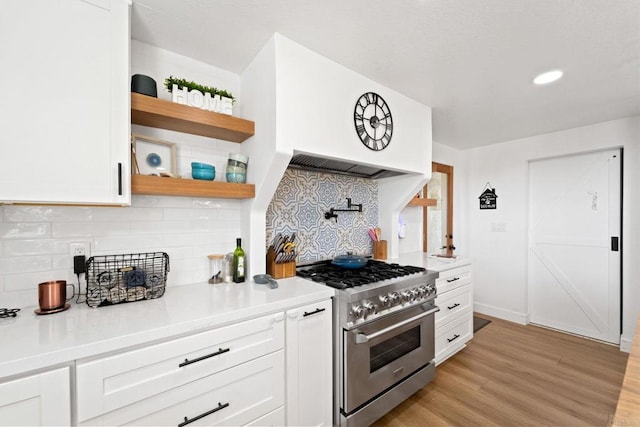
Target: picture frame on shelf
point(152, 156)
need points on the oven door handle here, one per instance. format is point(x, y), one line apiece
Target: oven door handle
point(363, 338)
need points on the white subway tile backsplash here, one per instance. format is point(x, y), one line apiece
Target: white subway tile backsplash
point(161, 202)
point(88, 229)
point(18, 230)
point(214, 204)
point(34, 240)
point(25, 264)
point(105, 245)
point(29, 281)
point(46, 213)
point(35, 247)
point(128, 214)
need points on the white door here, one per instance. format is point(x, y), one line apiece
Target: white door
point(574, 264)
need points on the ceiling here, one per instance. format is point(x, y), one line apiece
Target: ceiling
point(472, 61)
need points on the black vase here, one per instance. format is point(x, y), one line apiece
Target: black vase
point(144, 85)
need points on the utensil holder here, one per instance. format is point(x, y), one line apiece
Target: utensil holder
point(279, 270)
point(380, 249)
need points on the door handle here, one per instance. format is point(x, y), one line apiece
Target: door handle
point(363, 338)
point(316, 311)
point(614, 243)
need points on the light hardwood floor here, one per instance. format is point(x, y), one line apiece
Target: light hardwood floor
point(514, 375)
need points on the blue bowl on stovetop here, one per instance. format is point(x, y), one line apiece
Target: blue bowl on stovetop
point(349, 261)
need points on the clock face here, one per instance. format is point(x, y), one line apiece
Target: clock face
point(373, 121)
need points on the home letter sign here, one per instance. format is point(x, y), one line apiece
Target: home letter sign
point(195, 98)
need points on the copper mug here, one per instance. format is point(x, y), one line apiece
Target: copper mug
point(52, 295)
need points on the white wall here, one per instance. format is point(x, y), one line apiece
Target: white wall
point(500, 267)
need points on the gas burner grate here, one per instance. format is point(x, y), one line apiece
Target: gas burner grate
point(8, 312)
point(342, 278)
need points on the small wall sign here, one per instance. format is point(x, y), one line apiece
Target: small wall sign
point(488, 198)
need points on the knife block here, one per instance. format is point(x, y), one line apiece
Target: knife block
point(380, 249)
point(279, 270)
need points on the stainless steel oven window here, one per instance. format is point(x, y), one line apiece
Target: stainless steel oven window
point(380, 355)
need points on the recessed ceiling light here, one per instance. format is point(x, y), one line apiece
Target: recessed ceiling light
point(548, 77)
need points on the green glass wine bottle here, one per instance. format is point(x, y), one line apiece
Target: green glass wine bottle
point(238, 262)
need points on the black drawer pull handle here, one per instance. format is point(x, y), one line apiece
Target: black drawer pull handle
point(455, 337)
point(453, 306)
point(189, 421)
point(316, 311)
point(189, 362)
point(453, 280)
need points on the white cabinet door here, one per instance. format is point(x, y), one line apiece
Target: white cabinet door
point(65, 101)
point(36, 400)
point(309, 365)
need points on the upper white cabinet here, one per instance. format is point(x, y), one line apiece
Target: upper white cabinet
point(37, 400)
point(65, 102)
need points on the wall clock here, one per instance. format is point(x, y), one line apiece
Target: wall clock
point(373, 121)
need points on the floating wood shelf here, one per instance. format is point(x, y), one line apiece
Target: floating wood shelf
point(419, 201)
point(158, 113)
point(161, 186)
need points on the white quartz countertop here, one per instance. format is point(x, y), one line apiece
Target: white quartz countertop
point(430, 262)
point(30, 342)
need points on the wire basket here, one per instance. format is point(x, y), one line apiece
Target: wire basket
point(115, 279)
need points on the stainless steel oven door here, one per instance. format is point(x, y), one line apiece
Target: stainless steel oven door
point(379, 354)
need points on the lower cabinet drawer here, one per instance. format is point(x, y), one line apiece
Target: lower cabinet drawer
point(452, 337)
point(454, 278)
point(109, 383)
point(237, 396)
point(453, 303)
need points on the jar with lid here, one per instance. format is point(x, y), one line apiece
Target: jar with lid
point(216, 263)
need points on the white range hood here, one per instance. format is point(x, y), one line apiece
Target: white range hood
point(303, 107)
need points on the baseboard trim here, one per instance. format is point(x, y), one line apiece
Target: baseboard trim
point(500, 313)
point(625, 344)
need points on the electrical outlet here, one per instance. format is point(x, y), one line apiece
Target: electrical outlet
point(79, 248)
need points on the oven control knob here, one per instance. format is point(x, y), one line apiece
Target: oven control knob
point(431, 290)
point(386, 301)
point(415, 294)
point(395, 298)
point(358, 311)
point(369, 308)
point(423, 291)
point(406, 296)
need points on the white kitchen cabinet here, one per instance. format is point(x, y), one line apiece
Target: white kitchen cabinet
point(309, 365)
point(240, 364)
point(232, 397)
point(37, 400)
point(454, 321)
point(65, 102)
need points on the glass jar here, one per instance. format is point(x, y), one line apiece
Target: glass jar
point(237, 168)
point(216, 263)
point(227, 268)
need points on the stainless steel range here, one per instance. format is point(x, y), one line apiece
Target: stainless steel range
point(383, 336)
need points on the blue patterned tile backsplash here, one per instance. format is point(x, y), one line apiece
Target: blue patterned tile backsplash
point(299, 205)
